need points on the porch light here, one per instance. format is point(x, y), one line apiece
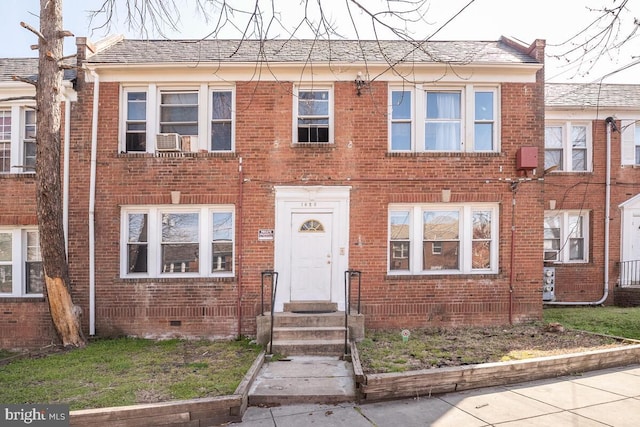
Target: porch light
point(360, 83)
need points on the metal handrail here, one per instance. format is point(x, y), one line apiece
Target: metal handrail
point(274, 287)
point(629, 273)
point(348, 274)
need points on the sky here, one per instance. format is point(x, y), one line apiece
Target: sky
point(556, 21)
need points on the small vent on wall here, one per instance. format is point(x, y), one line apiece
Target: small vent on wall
point(175, 322)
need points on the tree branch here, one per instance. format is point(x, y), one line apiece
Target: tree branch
point(18, 98)
point(25, 80)
point(33, 30)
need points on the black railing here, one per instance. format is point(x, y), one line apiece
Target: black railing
point(273, 275)
point(630, 273)
point(348, 275)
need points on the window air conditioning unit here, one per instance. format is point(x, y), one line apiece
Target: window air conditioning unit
point(168, 142)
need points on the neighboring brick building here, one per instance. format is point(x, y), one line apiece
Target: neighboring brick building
point(24, 313)
point(576, 193)
point(208, 162)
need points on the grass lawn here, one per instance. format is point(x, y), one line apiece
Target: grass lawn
point(126, 371)
point(616, 321)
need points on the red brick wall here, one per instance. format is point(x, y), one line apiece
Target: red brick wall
point(359, 158)
point(586, 190)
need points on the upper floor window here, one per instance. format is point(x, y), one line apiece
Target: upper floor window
point(179, 112)
point(21, 273)
point(5, 141)
point(454, 120)
point(221, 120)
point(443, 239)
point(314, 115)
point(566, 236)
point(637, 145)
point(177, 119)
point(191, 241)
point(136, 121)
point(17, 139)
point(567, 146)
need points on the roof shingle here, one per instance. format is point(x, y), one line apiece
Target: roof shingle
point(300, 51)
point(592, 95)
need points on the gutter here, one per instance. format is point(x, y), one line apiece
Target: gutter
point(607, 218)
point(65, 176)
point(92, 205)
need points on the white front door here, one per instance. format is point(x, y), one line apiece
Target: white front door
point(633, 236)
point(311, 243)
point(311, 256)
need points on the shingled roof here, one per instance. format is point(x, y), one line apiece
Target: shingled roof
point(300, 51)
point(581, 95)
point(25, 67)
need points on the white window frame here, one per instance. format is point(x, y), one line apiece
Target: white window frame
point(416, 238)
point(18, 263)
point(212, 90)
point(199, 142)
point(154, 240)
point(637, 144)
point(567, 149)
point(313, 88)
point(467, 119)
point(564, 252)
point(124, 118)
point(17, 141)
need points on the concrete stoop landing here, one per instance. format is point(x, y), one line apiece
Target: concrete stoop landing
point(303, 379)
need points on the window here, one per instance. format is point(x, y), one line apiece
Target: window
point(18, 139)
point(567, 147)
point(29, 141)
point(452, 121)
point(566, 236)
point(5, 141)
point(401, 120)
point(314, 112)
point(136, 122)
point(202, 117)
point(221, 120)
point(179, 112)
point(190, 241)
point(21, 273)
point(447, 239)
point(637, 145)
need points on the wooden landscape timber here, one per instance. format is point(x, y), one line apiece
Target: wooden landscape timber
point(444, 380)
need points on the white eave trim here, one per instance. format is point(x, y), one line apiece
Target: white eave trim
point(335, 71)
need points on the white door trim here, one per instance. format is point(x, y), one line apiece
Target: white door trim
point(309, 199)
point(630, 211)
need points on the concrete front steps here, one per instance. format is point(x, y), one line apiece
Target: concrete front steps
point(310, 328)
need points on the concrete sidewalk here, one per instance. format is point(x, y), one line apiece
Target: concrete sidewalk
point(609, 397)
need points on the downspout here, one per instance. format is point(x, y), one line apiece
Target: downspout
point(514, 188)
point(92, 205)
point(65, 176)
point(607, 218)
point(239, 245)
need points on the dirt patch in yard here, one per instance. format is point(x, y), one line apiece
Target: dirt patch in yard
point(386, 351)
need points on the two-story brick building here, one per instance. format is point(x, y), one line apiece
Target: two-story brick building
point(592, 193)
point(196, 165)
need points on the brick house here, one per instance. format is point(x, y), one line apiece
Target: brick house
point(24, 313)
point(197, 165)
point(592, 193)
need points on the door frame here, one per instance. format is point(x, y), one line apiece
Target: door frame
point(628, 209)
point(311, 199)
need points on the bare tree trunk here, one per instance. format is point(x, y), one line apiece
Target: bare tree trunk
point(65, 315)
